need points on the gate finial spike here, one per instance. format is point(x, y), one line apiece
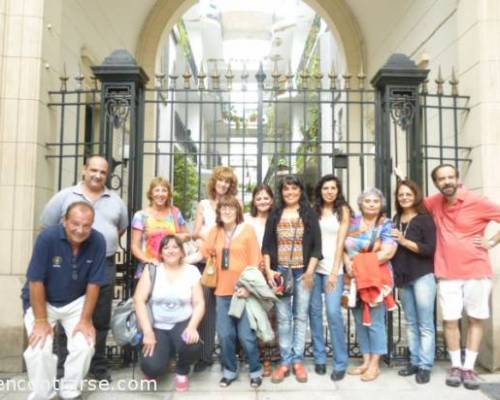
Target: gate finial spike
point(333, 77)
point(244, 77)
point(290, 75)
point(304, 77)
point(229, 76)
point(173, 76)
point(319, 78)
point(215, 76)
point(64, 79)
point(201, 76)
point(454, 82)
point(79, 78)
point(361, 77)
point(276, 75)
point(160, 76)
point(187, 77)
point(439, 81)
point(347, 80)
point(260, 75)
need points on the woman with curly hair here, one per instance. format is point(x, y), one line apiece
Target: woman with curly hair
point(223, 182)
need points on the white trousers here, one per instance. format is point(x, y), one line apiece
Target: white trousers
point(41, 363)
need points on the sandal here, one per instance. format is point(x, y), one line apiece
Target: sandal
point(357, 370)
point(268, 368)
point(370, 375)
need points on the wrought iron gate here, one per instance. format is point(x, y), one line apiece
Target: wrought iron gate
point(307, 123)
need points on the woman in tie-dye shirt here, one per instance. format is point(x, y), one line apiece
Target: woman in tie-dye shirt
point(153, 223)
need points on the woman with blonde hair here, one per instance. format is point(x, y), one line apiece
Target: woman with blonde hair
point(151, 224)
point(222, 182)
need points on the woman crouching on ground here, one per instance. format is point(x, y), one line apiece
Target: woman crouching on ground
point(177, 307)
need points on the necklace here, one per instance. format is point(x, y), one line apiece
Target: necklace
point(404, 229)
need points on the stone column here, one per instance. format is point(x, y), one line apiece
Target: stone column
point(21, 25)
point(478, 26)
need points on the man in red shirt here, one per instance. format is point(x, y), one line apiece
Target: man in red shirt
point(462, 266)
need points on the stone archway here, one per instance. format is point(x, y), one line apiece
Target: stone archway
point(165, 13)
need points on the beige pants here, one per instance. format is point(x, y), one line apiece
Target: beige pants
point(41, 363)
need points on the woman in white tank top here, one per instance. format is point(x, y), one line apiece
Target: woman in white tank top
point(334, 214)
point(177, 309)
point(222, 182)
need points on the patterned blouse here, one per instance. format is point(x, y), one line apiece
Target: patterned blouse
point(360, 239)
point(285, 231)
point(154, 230)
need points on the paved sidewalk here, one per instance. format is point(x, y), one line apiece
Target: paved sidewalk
point(204, 386)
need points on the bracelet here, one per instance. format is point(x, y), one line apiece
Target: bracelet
point(491, 243)
point(40, 320)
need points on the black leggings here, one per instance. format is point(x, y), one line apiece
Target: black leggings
point(168, 343)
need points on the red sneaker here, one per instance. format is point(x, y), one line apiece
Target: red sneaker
point(181, 383)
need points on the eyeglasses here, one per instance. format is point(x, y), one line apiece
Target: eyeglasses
point(227, 209)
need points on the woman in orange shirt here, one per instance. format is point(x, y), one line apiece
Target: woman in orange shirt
point(234, 246)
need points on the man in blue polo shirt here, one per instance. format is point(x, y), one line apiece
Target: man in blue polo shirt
point(111, 219)
point(64, 277)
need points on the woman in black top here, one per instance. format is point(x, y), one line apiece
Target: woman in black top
point(292, 244)
point(414, 274)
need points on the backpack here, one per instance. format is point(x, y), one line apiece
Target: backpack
point(124, 323)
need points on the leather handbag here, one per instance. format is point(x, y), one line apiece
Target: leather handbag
point(209, 276)
point(210, 273)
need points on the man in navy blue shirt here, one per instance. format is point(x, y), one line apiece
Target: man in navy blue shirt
point(64, 277)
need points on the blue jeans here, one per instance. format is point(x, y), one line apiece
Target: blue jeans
point(418, 299)
point(335, 322)
point(229, 330)
point(371, 339)
point(292, 316)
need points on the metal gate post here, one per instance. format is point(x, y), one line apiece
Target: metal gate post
point(397, 104)
point(122, 109)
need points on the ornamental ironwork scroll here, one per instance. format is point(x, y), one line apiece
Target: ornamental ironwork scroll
point(402, 106)
point(118, 102)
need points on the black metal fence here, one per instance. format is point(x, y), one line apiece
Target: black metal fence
point(309, 124)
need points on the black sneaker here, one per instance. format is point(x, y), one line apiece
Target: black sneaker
point(101, 376)
point(320, 369)
point(454, 377)
point(255, 382)
point(408, 370)
point(225, 382)
point(423, 375)
point(337, 375)
point(470, 379)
